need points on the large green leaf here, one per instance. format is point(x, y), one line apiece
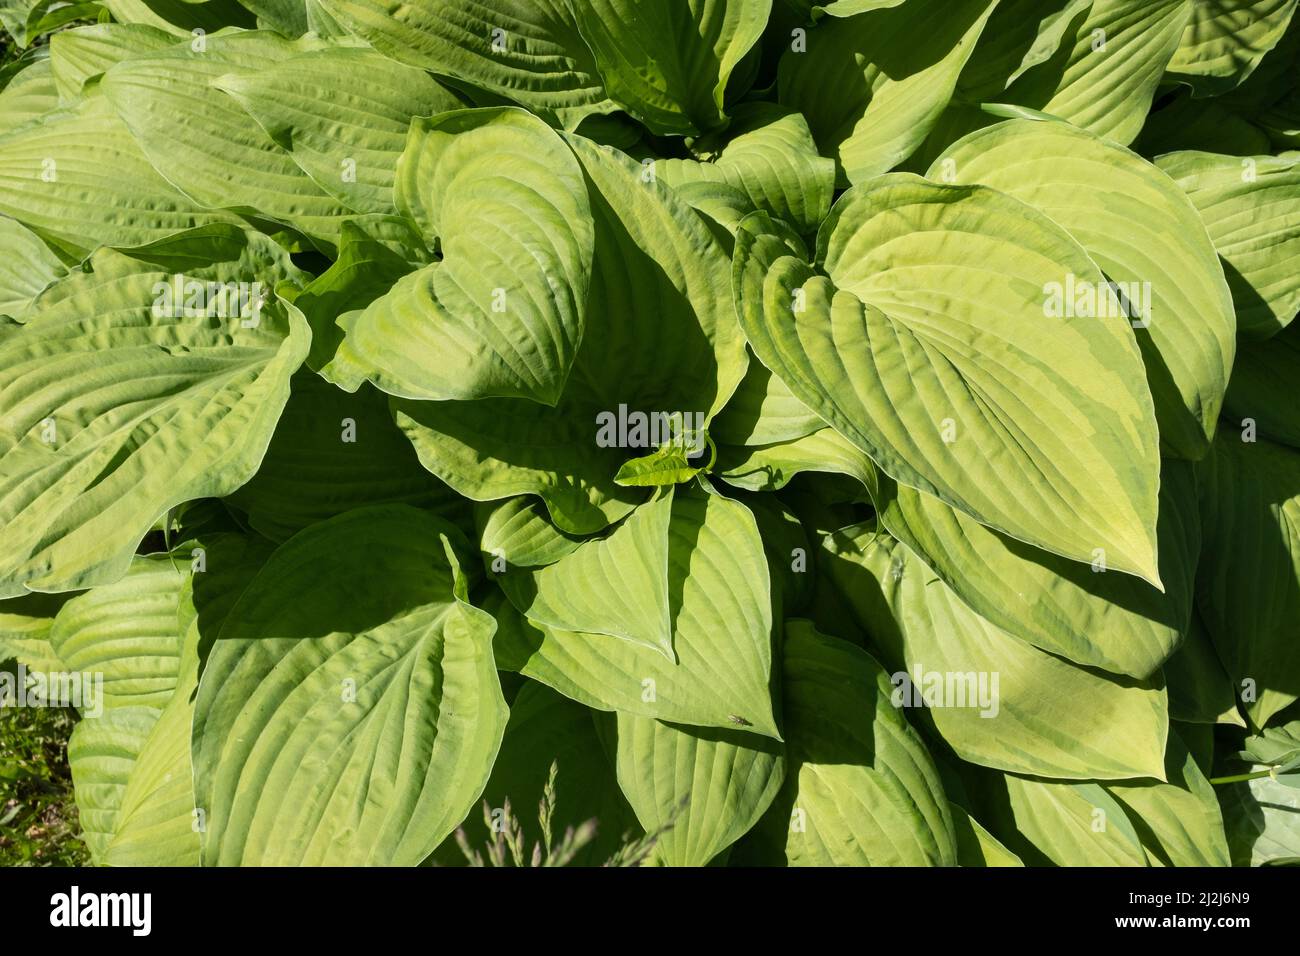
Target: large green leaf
point(29, 97)
point(125, 633)
point(1178, 821)
point(1084, 613)
point(331, 452)
point(1065, 824)
point(181, 17)
point(79, 177)
point(1020, 35)
point(763, 412)
point(528, 51)
point(975, 845)
point(1017, 424)
point(501, 314)
point(617, 585)
point(25, 624)
point(1105, 75)
point(1262, 818)
point(131, 765)
point(101, 754)
point(1251, 206)
point(80, 54)
point(1248, 583)
point(357, 722)
point(772, 467)
point(516, 531)
point(1137, 225)
point(1260, 394)
point(347, 136)
point(873, 85)
point(658, 275)
point(27, 266)
point(999, 701)
point(860, 788)
point(373, 253)
point(769, 154)
point(200, 139)
point(719, 599)
point(668, 63)
point(709, 785)
point(117, 408)
point(1200, 691)
point(1225, 41)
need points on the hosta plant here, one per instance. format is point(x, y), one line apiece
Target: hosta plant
point(754, 432)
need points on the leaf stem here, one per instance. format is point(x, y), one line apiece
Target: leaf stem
point(1241, 777)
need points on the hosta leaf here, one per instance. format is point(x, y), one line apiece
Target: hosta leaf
point(332, 452)
point(616, 585)
point(1225, 41)
point(975, 845)
point(286, 16)
point(101, 754)
point(872, 85)
point(27, 266)
point(763, 411)
point(1262, 386)
point(668, 63)
point(357, 723)
point(1065, 824)
point(25, 631)
point(1005, 704)
point(1105, 75)
point(493, 449)
point(529, 51)
point(141, 801)
point(547, 728)
point(1182, 122)
point(366, 268)
point(1251, 206)
point(80, 178)
point(771, 467)
point(218, 157)
point(116, 411)
point(860, 788)
point(1137, 225)
point(895, 351)
point(720, 601)
point(13, 17)
point(80, 54)
point(29, 96)
point(155, 823)
point(181, 17)
point(126, 633)
point(1019, 36)
point(346, 136)
point(516, 532)
point(670, 464)
point(710, 786)
point(1200, 691)
point(1082, 612)
point(1275, 746)
point(501, 313)
point(769, 154)
point(1178, 822)
point(1262, 818)
point(1248, 583)
point(658, 275)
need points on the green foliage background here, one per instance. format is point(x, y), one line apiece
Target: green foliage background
point(413, 415)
